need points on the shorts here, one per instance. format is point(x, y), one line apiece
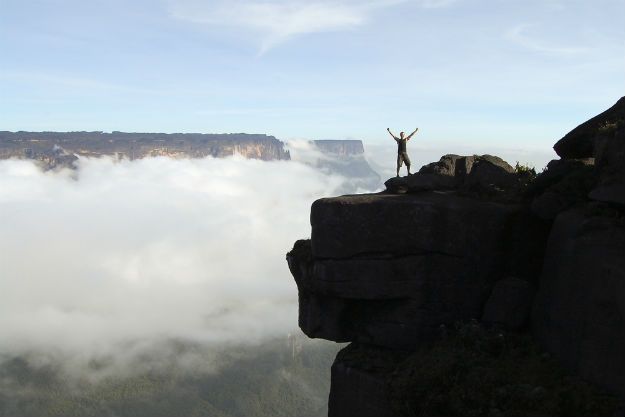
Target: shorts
point(401, 158)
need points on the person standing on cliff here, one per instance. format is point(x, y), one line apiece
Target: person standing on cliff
point(402, 154)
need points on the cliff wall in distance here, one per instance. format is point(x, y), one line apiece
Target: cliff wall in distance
point(347, 158)
point(46, 146)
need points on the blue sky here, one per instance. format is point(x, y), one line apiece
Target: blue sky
point(501, 73)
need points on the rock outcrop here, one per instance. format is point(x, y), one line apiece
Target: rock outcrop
point(601, 138)
point(389, 269)
point(485, 174)
point(464, 239)
point(579, 313)
point(564, 183)
point(589, 139)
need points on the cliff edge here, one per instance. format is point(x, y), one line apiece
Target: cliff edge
point(468, 254)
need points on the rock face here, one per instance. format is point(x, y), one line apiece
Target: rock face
point(361, 372)
point(610, 151)
point(465, 239)
point(579, 314)
point(609, 193)
point(602, 138)
point(385, 271)
point(589, 139)
point(388, 270)
point(509, 304)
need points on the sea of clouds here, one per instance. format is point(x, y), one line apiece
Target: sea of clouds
point(119, 256)
point(119, 261)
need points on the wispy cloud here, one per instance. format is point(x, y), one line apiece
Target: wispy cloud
point(436, 4)
point(277, 21)
point(519, 35)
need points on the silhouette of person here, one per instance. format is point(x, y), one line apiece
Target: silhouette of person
point(402, 154)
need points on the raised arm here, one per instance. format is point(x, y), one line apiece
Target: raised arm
point(410, 135)
point(389, 131)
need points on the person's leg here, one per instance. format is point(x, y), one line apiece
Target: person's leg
point(398, 163)
point(407, 160)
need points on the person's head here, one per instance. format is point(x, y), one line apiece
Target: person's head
point(401, 135)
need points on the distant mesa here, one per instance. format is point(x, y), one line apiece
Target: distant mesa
point(54, 150)
point(44, 146)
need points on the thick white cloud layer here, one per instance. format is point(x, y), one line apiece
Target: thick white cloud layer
point(128, 253)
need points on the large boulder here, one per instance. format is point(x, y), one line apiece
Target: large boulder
point(450, 165)
point(602, 138)
point(582, 141)
point(579, 313)
point(557, 170)
point(476, 173)
point(564, 184)
point(491, 171)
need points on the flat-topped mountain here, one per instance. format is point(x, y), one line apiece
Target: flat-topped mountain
point(57, 149)
point(46, 146)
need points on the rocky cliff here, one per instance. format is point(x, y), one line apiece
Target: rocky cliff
point(58, 148)
point(500, 278)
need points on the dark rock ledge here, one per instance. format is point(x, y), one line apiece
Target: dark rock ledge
point(534, 264)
